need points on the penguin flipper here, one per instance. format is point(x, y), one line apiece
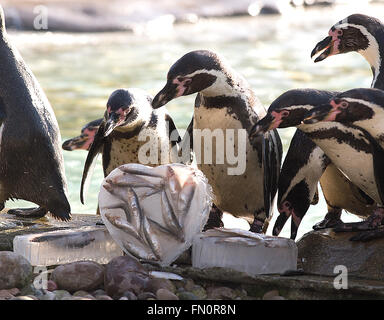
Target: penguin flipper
point(271, 162)
point(187, 143)
point(90, 162)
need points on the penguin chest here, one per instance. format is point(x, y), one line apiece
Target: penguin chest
point(231, 165)
point(356, 165)
point(149, 149)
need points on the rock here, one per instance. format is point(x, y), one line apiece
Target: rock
point(51, 285)
point(277, 298)
point(270, 294)
point(164, 294)
point(24, 298)
point(98, 292)
point(61, 294)
point(320, 252)
point(155, 284)
point(189, 284)
point(186, 295)
point(124, 274)
point(220, 293)
point(123, 298)
point(8, 294)
point(81, 275)
point(146, 296)
point(130, 295)
point(15, 270)
point(48, 296)
point(199, 291)
point(103, 297)
point(80, 293)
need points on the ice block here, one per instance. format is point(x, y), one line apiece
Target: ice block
point(92, 243)
point(243, 251)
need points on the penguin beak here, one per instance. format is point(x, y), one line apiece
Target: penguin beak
point(320, 113)
point(326, 47)
point(112, 122)
point(75, 143)
point(262, 126)
point(168, 93)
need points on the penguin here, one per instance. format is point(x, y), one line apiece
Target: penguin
point(85, 139)
point(348, 147)
point(359, 33)
point(363, 108)
point(364, 35)
point(226, 102)
point(132, 132)
point(31, 161)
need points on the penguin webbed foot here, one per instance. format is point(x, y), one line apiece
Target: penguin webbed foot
point(372, 223)
point(214, 220)
point(331, 220)
point(29, 212)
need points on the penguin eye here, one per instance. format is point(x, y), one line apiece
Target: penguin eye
point(285, 113)
point(344, 105)
point(339, 32)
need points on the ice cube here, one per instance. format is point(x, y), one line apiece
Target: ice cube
point(243, 251)
point(92, 243)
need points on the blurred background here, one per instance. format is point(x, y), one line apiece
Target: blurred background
point(81, 51)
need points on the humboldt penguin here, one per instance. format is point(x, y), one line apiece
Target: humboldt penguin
point(85, 139)
point(360, 33)
point(226, 103)
point(348, 147)
point(132, 132)
point(364, 35)
point(31, 162)
point(363, 108)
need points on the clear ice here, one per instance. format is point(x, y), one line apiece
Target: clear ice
point(244, 251)
point(92, 243)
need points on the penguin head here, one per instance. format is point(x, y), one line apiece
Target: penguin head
point(196, 71)
point(85, 139)
point(127, 108)
point(290, 109)
point(348, 107)
point(357, 32)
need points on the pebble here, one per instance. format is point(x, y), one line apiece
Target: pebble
point(9, 294)
point(164, 294)
point(199, 291)
point(24, 298)
point(123, 274)
point(146, 296)
point(80, 293)
point(15, 270)
point(80, 275)
point(98, 292)
point(104, 297)
point(60, 294)
point(48, 296)
point(51, 285)
point(270, 294)
point(186, 295)
point(130, 295)
point(221, 293)
point(155, 284)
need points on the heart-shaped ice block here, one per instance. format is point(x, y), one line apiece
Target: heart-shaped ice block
point(153, 213)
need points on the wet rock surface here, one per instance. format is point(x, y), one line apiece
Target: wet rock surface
point(321, 251)
point(124, 274)
point(15, 270)
point(76, 276)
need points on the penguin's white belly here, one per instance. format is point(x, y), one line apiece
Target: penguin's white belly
point(356, 165)
point(240, 194)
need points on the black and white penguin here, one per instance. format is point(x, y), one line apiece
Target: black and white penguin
point(363, 108)
point(348, 147)
point(85, 139)
point(132, 132)
point(364, 35)
point(31, 161)
point(360, 33)
point(225, 102)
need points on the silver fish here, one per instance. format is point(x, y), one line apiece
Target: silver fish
point(151, 239)
point(170, 218)
point(122, 225)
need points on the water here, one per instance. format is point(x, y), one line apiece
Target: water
point(79, 71)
